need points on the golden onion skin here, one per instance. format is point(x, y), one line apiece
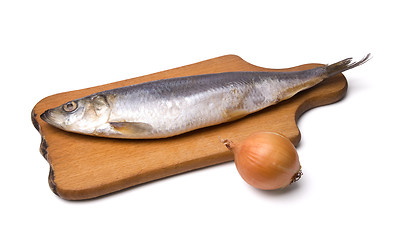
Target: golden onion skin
point(267, 160)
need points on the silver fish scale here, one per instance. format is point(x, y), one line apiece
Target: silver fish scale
point(172, 106)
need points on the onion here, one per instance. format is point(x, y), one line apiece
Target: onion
point(266, 160)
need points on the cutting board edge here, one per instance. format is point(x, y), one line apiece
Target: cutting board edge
point(314, 102)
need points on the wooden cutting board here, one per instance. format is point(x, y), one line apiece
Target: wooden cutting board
point(83, 167)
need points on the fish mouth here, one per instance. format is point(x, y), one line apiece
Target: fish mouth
point(46, 116)
point(49, 117)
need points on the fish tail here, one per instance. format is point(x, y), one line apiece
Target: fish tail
point(344, 65)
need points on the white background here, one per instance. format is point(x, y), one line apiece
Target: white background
point(347, 149)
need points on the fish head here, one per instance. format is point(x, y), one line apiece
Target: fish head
point(84, 115)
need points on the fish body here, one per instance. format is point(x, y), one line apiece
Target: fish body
point(170, 107)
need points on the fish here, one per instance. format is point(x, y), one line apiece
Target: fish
point(168, 107)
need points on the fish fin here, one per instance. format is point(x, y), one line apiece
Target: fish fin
point(231, 115)
point(329, 70)
point(344, 65)
point(131, 128)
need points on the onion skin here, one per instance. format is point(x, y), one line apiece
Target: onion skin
point(266, 160)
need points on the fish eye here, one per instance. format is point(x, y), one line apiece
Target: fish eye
point(70, 106)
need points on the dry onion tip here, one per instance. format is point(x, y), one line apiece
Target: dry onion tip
point(266, 160)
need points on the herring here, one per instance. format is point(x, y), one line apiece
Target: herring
point(169, 107)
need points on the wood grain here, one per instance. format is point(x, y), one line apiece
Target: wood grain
point(83, 167)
